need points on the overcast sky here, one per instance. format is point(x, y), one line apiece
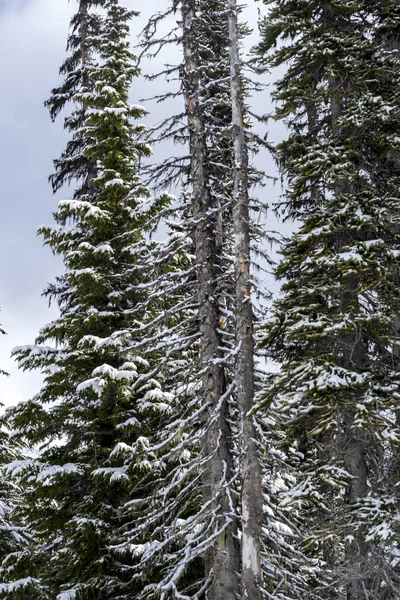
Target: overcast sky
point(33, 36)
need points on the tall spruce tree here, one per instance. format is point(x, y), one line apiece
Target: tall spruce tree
point(211, 195)
point(221, 561)
point(14, 536)
point(85, 27)
point(214, 185)
point(99, 393)
point(201, 496)
point(335, 326)
point(204, 493)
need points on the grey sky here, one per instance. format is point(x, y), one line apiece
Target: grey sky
point(33, 36)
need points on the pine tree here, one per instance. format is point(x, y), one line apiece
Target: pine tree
point(204, 494)
point(195, 490)
point(334, 328)
point(100, 394)
point(14, 536)
point(85, 27)
point(206, 126)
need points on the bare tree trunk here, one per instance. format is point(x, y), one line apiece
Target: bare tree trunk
point(250, 464)
point(357, 572)
point(222, 560)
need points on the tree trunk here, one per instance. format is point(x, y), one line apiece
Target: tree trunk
point(353, 445)
point(222, 559)
point(250, 464)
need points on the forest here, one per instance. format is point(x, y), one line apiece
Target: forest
point(199, 435)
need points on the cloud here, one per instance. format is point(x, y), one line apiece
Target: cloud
point(12, 5)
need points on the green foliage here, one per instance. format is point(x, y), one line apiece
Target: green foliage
point(334, 328)
point(101, 389)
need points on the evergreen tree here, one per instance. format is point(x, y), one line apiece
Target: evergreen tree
point(334, 328)
point(15, 535)
point(224, 560)
point(195, 487)
point(194, 563)
point(100, 394)
point(85, 27)
point(213, 184)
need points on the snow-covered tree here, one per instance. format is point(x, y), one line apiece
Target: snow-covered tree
point(16, 539)
point(335, 326)
point(100, 393)
point(187, 544)
point(204, 561)
point(81, 46)
point(14, 536)
point(250, 465)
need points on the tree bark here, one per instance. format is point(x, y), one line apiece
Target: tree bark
point(222, 559)
point(353, 444)
point(250, 464)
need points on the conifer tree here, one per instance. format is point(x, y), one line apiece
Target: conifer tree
point(199, 493)
point(334, 328)
point(207, 183)
point(221, 561)
point(99, 392)
point(14, 537)
point(85, 27)
point(207, 126)
point(210, 171)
